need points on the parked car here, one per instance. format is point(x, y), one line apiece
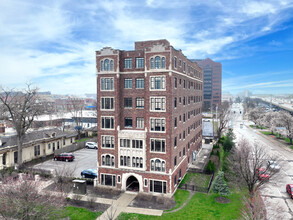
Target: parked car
point(65, 157)
point(289, 189)
point(91, 145)
point(89, 173)
point(262, 174)
point(273, 165)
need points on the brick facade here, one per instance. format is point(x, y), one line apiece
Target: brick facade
point(155, 83)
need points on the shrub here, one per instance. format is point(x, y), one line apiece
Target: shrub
point(220, 186)
point(218, 154)
point(211, 167)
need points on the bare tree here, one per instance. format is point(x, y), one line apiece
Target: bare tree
point(76, 108)
point(286, 120)
point(63, 178)
point(253, 208)
point(246, 161)
point(21, 108)
point(270, 120)
point(223, 117)
point(22, 199)
point(254, 114)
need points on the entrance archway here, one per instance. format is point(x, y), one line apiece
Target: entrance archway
point(132, 184)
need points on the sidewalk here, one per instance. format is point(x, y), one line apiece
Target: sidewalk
point(202, 158)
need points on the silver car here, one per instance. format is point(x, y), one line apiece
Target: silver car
point(273, 165)
point(91, 145)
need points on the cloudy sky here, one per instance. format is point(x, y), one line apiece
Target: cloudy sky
point(52, 44)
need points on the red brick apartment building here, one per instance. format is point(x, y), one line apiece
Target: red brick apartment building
point(149, 116)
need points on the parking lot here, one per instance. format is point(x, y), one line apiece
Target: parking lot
point(84, 159)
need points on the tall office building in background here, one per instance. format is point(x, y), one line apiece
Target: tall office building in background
point(212, 83)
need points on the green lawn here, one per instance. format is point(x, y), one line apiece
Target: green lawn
point(81, 140)
point(76, 213)
point(257, 127)
point(201, 206)
point(180, 197)
point(267, 133)
point(198, 179)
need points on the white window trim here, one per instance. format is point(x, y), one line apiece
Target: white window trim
point(107, 78)
point(118, 177)
point(155, 62)
point(156, 193)
point(112, 179)
point(156, 158)
point(111, 155)
point(158, 97)
point(143, 82)
point(102, 142)
point(107, 109)
point(157, 152)
point(150, 86)
point(108, 128)
point(157, 131)
point(145, 180)
point(106, 58)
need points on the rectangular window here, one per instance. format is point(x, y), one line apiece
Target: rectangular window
point(15, 156)
point(139, 102)
point(140, 83)
point(37, 150)
point(175, 122)
point(158, 186)
point(49, 146)
point(128, 122)
point(139, 122)
point(158, 145)
point(158, 103)
point(107, 122)
point(128, 83)
point(183, 66)
point(175, 62)
point(125, 143)
point(127, 102)
point(175, 161)
point(175, 142)
point(175, 102)
point(158, 124)
point(107, 141)
point(128, 63)
point(139, 62)
point(137, 144)
point(158, 83)
point(107, 103)
point(175, 82)
point(107, 84)
point(108, 180)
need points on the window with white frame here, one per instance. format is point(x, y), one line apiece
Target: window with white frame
point(137, 144)
point(107, 103)
point(128, 63)
point(158, 145)
point(158, 103)
point(107, 84)
point(125, 143)
point(107, 65)
point(139, 62)
point(158, 82)
point(158, 186)
point(127, 102)
point(139, 122)
point(107, 141)
point(158, 124)
point(128, 83)
point(128, 122)
point(108, 160)
point(175, 62)
point(158, 165)
point(108, 180)
point(139, 82)
point(107, 122)
point(139, 102)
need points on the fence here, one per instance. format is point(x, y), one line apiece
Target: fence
point(73, 147)
point(197, 188)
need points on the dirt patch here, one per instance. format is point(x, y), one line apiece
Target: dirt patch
point(92, 206)
point(152, 202)
point(103, 192)
point(222, 200)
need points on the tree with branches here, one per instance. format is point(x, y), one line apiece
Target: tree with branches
point(223, 117)
point(21, 108)
point(246, 161)
point(254, 115)
point(23, 199)
point(76, 109)
point(286, 120)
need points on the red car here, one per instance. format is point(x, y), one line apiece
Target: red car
point(289, 189)
point(64, 157)
point(262, 175)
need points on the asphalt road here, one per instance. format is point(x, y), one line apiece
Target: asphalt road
point(84, 159)
point(278, 203)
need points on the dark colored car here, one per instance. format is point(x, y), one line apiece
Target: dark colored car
point(89, 173)
point(64, 157)
point(289, 189)
point(262, 174)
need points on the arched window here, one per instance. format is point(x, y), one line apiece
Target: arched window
point(108, 160)
point(112, 160)
point(152, 165)
point(157, 165)
point(152, 63)
point(158, 62)
point(163, 62)
point(102, 65)
point(163, 166)
point(107, 67)
point(111, 65)
point(121, 160)
point(128, 161)
point(103, 160)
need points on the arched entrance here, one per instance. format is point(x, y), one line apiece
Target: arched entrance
point(132, 184)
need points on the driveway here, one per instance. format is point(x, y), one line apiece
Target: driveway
point(84, 159)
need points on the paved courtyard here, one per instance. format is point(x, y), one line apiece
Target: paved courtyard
point(84, 159)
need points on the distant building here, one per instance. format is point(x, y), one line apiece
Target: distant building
point(212, 83)
point(227, 97)
point(149, 117)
